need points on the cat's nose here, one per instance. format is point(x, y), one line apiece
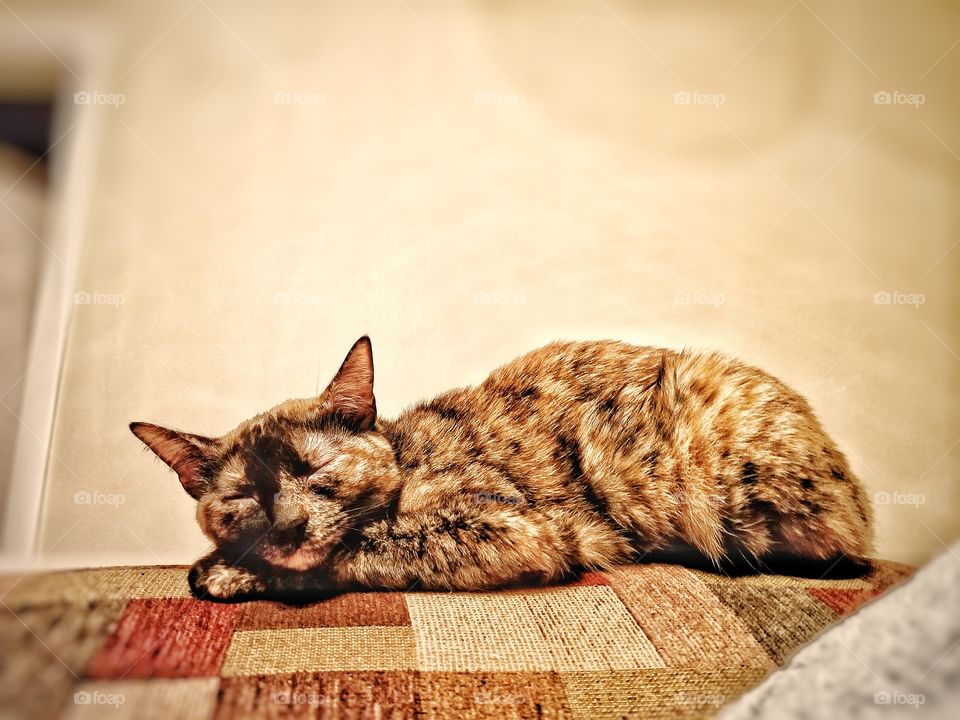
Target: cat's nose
point(294, 524)
point(289, 514)
point(294, 529)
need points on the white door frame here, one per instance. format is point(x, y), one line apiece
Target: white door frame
point(76, 48)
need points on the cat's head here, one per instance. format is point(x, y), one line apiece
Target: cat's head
point(287, 485)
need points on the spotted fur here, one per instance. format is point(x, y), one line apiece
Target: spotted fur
point(577, 455)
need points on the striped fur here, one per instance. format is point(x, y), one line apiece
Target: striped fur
point(577, 455)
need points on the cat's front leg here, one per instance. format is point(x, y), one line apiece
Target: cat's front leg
point(456, 548)
point(214, 577)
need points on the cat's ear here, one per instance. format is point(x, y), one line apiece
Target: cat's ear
point(350, 393)
point(186, 453)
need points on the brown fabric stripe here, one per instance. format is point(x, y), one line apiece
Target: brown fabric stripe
point(349, 610)
point(781, 619)
point(491, 695)
point(320, 694)
point(656, 694)
point(394, 694)
point(684, 619)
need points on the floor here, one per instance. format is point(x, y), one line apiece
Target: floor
point(652, 640)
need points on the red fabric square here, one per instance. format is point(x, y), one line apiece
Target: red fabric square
point(167, 637)
point(843, 602)
point(589, 579)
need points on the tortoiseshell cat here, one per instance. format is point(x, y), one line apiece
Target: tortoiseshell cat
point(577, 455)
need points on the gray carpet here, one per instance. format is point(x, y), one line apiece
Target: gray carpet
point(897, 657)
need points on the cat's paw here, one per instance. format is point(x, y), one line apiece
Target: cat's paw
point(218, 580)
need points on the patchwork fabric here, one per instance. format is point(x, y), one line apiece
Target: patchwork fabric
point(659, 641)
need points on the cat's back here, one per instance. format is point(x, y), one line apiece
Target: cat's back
point(574, 371)
point(528, 405)
point(657, 443)
point(519, 429)
point(555, 388)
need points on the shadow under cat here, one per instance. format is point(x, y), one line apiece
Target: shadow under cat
point(784, 564)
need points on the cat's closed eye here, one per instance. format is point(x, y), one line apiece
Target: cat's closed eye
point(235, 497)
point(301, 468)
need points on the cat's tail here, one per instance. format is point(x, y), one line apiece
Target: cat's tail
point(842, 528)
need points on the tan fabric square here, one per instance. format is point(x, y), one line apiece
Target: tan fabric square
point(578, 628)
point(684, 619)
point(256, 652)
point(157, 699)
point(656, 694)
point(121, 583)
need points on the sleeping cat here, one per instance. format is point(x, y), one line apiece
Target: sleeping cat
point(577, 455)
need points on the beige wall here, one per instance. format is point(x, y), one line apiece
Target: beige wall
point(460, 233)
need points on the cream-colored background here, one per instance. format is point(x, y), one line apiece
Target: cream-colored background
point(477, 178)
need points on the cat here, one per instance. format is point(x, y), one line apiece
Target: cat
point(579, 455)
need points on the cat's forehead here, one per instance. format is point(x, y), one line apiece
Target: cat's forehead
point(297, 450)
point(294, 432)
point(278, 444)
point(289, 418)
point(300, 434)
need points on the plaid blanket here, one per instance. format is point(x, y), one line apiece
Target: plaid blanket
point(659, 641)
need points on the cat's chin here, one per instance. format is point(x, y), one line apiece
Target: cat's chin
point(300, 560)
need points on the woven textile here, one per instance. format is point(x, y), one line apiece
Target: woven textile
point(660, 641)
